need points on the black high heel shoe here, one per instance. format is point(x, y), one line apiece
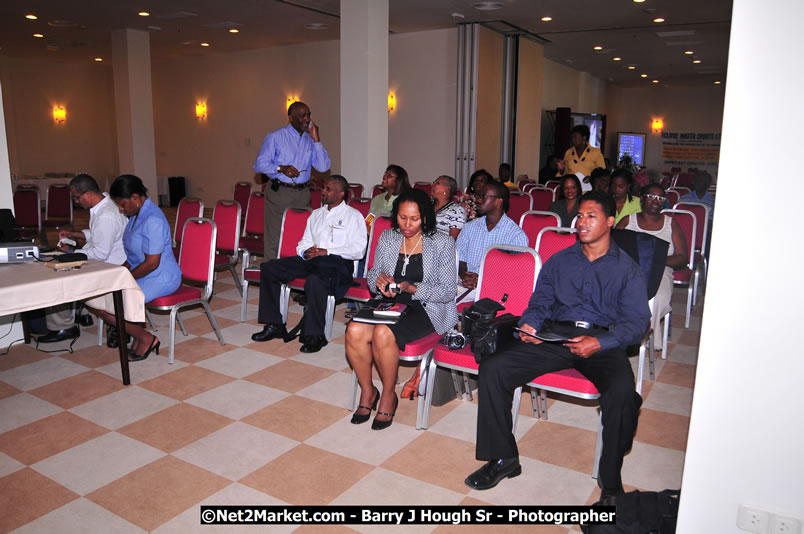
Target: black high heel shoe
point(134, 357)
point(357, 418)
point(381, 425)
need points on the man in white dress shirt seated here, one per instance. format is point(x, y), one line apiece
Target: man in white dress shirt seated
point(103, 241)
point(335, 237)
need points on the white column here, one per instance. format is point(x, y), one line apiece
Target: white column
point(133, 102)
point(364, 90)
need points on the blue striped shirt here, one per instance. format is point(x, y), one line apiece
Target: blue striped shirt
point(475, 238)
point(286, 147)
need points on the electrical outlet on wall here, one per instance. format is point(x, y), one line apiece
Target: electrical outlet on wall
point(780, 524)
point(752, 519)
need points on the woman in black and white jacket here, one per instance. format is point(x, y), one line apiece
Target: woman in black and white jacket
point(421, 262)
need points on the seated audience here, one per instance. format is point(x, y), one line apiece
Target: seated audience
point(608, 315)
point(422, 262)
point(601, 180)
point(478, 179)
point(550, 170)
point(700, 192)
point(651, 221)
point(334, 237)
point(394, 181)
point(149, 256)
point(567, 207)
point(505, 177)
point(621, 183)
point(450, 216)
point(493, 227)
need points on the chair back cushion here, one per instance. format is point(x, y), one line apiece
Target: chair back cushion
point(532, 222)
point(255, 222)
point(686, 221)
point(509, 271)
point(197, 254)
point(542, 198)
point(518, 204)
point(59, 201)
point(26, 207)
point(356, 191)
point(293, 223)
point(242, 190)
point(552, 240)
point(227, 219)
point(380, 225)
point(315, 198)
point(361, 204)
point(188, 207)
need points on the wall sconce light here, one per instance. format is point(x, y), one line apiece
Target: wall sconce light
point(391, 102)
point(201, 111)
point(59, 114)
point(657, 125)
point(291, 100)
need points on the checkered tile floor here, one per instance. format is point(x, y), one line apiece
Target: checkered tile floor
point(262, 423)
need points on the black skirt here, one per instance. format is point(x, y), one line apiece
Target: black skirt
point(415, 323)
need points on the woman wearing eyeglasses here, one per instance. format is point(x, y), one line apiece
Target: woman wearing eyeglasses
point(651, 221)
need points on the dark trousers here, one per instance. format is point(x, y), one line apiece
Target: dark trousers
point(520, 363)
point(318, 284)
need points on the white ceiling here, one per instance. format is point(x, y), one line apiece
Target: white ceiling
point(624, 28)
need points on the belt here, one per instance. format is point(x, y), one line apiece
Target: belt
point(581, 324)
point(290, 186)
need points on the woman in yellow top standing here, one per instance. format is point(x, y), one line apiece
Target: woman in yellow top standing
point(581, 156)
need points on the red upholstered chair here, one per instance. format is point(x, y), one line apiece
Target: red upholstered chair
point(377, 190)
point(361, 204)
point(242, 190)
point(553, 239)
point(188, 207)
point(505, 270)
point(27, 211)
point(315, 198)
point(532, 222)
point(197, 262)
point(672, 196)
point(59, 210)
point(675, 169)
point(355, 191)
point(542, 198)
point(227, 247)
point(424, 186)
point(252, 240)
point(523, 181)
point(701, 212)
point(518, 204)
point(552, 184)
point(684, 277)
point(528, 186)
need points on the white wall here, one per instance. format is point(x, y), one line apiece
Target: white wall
point(746, 431)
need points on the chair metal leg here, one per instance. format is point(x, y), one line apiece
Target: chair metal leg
point(689, 307)
point(598, 448)
point(284, 302)
point(515, 408)
point(695, 277)
point(181, 323)
point(536, 401)
point(150, 321)
point(329, 317)
point(236, 278)
point(243, 300)
point(213, 322)
point(173, 316)
point(456, 384)
point(427, 401)
point(466, 386)
point(423, 375)
point(100, 332)
point(666, 335)
point(544, 403)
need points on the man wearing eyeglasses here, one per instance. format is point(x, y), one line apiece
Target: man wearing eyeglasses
point(103, 241)
point(492, 227)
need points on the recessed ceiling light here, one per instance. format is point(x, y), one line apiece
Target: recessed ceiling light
point(643, 75)
point(316, 26)
point(204, 44)
point(457, 15)
point(547, 19)
point(31, 16)
point(144, 14)
point(660, 19)
point(38, 35)
point(98, 59)
point(638, 1)
point(598, 47)
point(616, 59)
point(655, 81)
point(631, 67)
point(234, 30)
point(689, 52)
point(488, 6)
point(696, 61)
point(717, 82)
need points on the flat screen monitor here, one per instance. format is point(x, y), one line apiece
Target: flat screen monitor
point(632, 144)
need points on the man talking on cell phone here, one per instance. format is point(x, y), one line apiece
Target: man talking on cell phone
point(285, 158)
point(594, 295)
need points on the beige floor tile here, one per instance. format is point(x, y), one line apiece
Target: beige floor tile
point(22, 409)
point(80, 517)
point(146, 369)
point(21, 355)
point(678, 374)
point(295, 417)
point(7, 390)
point(333, 357)
point(240, 362)
point(653, 468)
point(275, 347)
point(574, 412)
point(235, 334)
point(76, 390)
point(217, 303)
point(663, 429)
point(385, 487)
point(335, 390)
point(26, 495)
point(683, 354)
point(123, 407)
point(9, 465)
point(307, 475)
point(46, 437)
point(689, 337)
point(289, 375)
point(199, 349)
point(157, 492)
point(97, 462)
point(669, 398)
point(94, 356)
point(237, 399)
point(235, 450)
point(200, 325)
point(461, 422)
point(233, 312)
point(560, 445)
point(175, 427)
point(40, 373)
point(186, 382)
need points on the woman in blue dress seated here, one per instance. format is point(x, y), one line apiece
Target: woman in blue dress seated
point(421, 261)
point(149, 256)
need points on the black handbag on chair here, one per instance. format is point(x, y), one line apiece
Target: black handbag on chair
point(485, 331)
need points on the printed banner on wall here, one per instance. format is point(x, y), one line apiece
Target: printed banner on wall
point(700, 150)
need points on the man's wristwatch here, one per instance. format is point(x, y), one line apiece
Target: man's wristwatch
point(279, 169)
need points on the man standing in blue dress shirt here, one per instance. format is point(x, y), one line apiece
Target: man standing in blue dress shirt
point(594, 295)
point(285, 158)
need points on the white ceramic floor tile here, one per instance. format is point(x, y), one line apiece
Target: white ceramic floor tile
point(123, 407)
point(235, 450)
point(361, 442)
point(572, 412)
point(240, 362)
point(23, 408)
point(336, 389)
point(97, 462)
point(237, 399)
point(146, 369)
point(233, 312)
point(9, 465)
point(653, 468)
point(669, 398)
point(81, 516)
point(41, 373)
point(237, 335)
point(333, 357)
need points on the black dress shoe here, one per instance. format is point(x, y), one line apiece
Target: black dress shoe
point(271, 331)
point(85, 320)
point(314, 344)
point(608, 496)
point(490, 474)
point(60, 335)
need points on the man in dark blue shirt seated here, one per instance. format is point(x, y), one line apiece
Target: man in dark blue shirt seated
point(594, 294)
